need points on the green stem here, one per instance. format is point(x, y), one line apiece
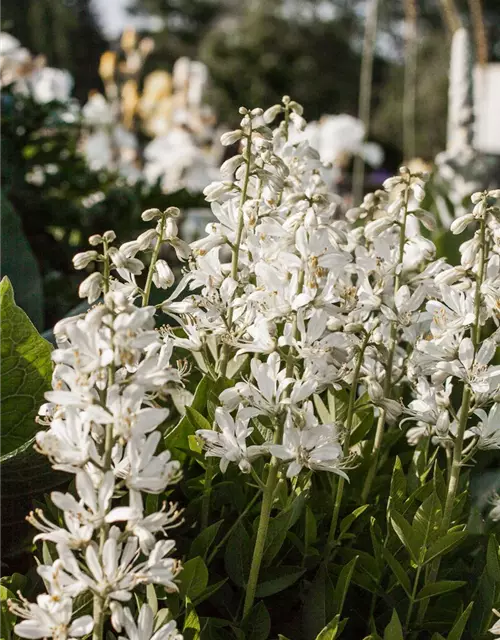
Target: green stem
point(260, 541)
point(379, 431)
point(98, 630)
point(413, 597)
point(232, 528)
point(154, 258)
point(347, 440)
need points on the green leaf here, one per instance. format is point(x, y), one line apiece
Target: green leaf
point(310, 528)
point(26, 375)
point(426, 522)
point(257, 625)
point(194, 578)
point(209, 591)
point(8, 619)
point(401, 575)
point(397, 492)
point(362, 423)
point(405, 534)
point(459, 626)
point(444, 545)
point(394, 630)
point(342, 586)
point(492, 559)
point(346, 523)
point(178, 436)
point(204, 540)
point(437, 588)
point(192, 627)
point(276, 535)
point(278, 579)
point(332, 630)
point(338, 401)
point(151, 598)
point(197, 420)
point(323, 413)
point(318, 605)
point(238, 556)
point(20, 265)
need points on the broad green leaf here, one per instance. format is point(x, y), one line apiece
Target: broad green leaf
point(192, 627)
point(426, 522)
point(394, 630)
point(459, 626)
point(362, 423)
point(20, 265)
point(238, 556)
point(444, 545)
point(276, 535)
point(257, 626)
point(277, 579)
point(401, 575)
point(437, 588)
point(204, 540)
point(321, 409)
point(338, 402)
point(406, 534)
point(193, 578)
point(342, 586)
point(26, 375)
point(197, 420)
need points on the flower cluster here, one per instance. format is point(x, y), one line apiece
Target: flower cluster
point(111, 378)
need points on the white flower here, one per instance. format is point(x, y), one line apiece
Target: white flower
point(488, 428)
point(229, 444)
point(50, 617)
point(143, 628)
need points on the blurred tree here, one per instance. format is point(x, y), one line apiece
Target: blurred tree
point(66, 32)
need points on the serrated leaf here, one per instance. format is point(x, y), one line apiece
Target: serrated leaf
point(445, 544)
point(193, 578)
point(278, 579)
point(394, 630)
point(397, 569)
point(238, 556)
point(459, 626)
point(437, 588)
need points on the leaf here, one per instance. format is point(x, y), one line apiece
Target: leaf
point(345, 523)
point(20, 265)
point(437, 588)
point(238, 556)
point(405, 534)
point(257, 625)
point(310, 528)
point(203, 541)
point(318, 609)
point(209, 591)
point(197, 420)
point(394, 630)
point(444, 545)
point(323, 414)
point(8, 619)
point(342, 586)
point(397, 569)
point(426, 521)
point(26, 375)
point(151, 598)
point(178, 436)
point(459, 626)
point(492, 559)
point(337, 405)
point(397, 492)
point(278, 579)
point(194, 578)
point(192, 628)
point(362, 423)
point(276, 535)
point(332, 630)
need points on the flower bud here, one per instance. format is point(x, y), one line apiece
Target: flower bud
point(150, 214)
point(91, 287)
point(171, 230)
point(82, 260)
point(163, 276)
point(460, 224)
point(109, 236)
point(271, 113)
point(173, 212)
point(95, 240)
point(230, 137)
point(229, 166)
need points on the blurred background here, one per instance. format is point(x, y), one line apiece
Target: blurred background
point(113, 106)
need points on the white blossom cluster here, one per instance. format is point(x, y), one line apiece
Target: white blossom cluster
point(318, 302)
point(111, 378)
